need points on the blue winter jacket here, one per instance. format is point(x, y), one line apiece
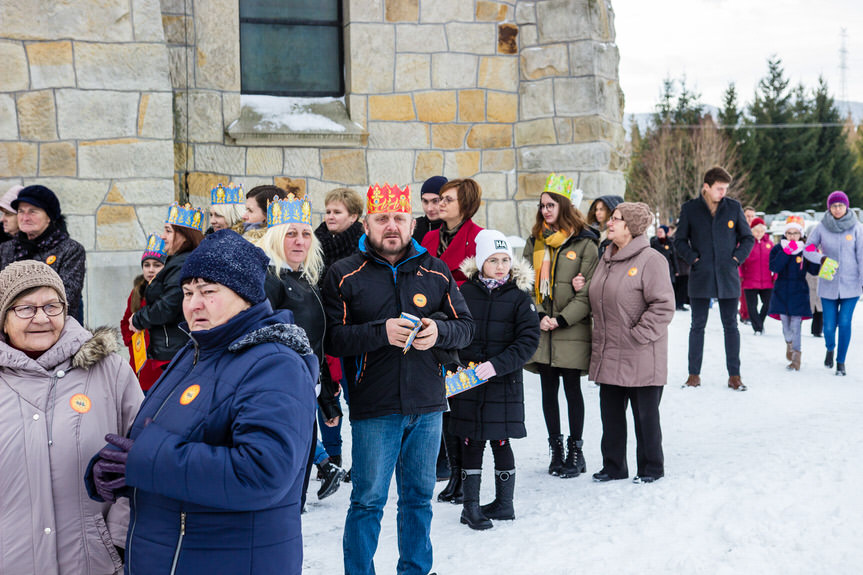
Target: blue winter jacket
point(790, 290)
point(217, 474)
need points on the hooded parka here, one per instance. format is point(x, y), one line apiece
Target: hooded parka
point(507, 333)
point(54, 414)
point(567, 346)
point(633, 302)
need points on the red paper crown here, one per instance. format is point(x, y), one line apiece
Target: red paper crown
point(387, 198)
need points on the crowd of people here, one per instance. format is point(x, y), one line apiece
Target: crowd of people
point(250, 339)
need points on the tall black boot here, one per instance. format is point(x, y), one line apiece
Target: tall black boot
point(470, 513)
point(504, 488)
point(442, 468)
point(828, 359)
point(452, 492)
point(575, 464)
point(555, 446)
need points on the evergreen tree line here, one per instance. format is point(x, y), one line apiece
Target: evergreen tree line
point(788, 148)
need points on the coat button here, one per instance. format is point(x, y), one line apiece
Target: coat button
point(61, 373)
point(35, 417)
point(47, 531)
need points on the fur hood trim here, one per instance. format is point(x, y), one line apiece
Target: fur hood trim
point(288, 334)
point(105, 341)
point(521, 273)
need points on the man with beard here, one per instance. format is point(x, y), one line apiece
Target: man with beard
point(396, 390)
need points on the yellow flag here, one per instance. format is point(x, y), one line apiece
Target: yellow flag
point(140, 348)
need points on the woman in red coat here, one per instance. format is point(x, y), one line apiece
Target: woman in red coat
point(455, 240)
point(757, 277)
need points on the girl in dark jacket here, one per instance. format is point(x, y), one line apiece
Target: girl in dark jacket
point(183, 231)
point(507, 333)
point(790, 300)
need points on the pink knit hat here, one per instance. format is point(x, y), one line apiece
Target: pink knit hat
point(10, 196)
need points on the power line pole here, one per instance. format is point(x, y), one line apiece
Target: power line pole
point(843, 69)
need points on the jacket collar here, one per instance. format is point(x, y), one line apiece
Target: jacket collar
point(222, 336)
point(521, 275)
point(414, 250)
point(630, 250)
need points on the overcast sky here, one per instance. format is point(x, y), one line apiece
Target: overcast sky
point(714, 42)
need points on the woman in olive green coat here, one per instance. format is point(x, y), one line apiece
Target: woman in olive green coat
point(562, 247)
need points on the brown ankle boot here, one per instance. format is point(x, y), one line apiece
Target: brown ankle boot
point(788, 350)
point(795, 361)
point(693, 380)
point(735, 383)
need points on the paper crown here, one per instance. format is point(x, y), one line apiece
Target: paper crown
point(186, 216)
point(463, 379)
point(560, 185)
point(794, 222)
point(387, 198)
point(155, 248)
point(228, 194)
point(291, 210)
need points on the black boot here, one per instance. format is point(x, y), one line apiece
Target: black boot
point(442, 469)
point(504, 487)
point(333, 476)
point(840, 368)
point(574, 464)
point(453, 491)
point(555, 446)
point(471, 515)
point(828, 359)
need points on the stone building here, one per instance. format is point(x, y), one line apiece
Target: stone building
point(123, 106)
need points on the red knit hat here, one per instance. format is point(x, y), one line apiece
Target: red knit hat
point(757, 222)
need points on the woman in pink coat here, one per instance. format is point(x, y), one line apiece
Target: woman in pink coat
point(757, 277)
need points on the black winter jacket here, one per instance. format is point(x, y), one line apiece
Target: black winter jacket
point(507, 333)
point(361, 293)
point(720, 243)
point(424, 226)
point(666, 248)
point(164, 311)
point(337, 246)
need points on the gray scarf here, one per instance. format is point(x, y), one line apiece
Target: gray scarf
point(845, 223)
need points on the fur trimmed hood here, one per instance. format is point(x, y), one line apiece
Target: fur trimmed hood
point(289, 334)
point(521, 274)
point(105, 341)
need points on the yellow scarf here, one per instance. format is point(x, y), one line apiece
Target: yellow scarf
point(544, 249)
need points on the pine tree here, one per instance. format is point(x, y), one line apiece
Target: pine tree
point(833, 158)
point(730, 115)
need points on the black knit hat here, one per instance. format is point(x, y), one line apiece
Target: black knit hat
point(433, 185)
point(226, 258)
point(41, 197)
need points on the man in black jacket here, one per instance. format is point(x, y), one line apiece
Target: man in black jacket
point(397, 394)
point(713, 237)
point(430, 197)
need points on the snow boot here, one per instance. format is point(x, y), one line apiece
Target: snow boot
point(574, 464)
point(442, 469)
point(471, 515)
point(504, 488)
point(795, 361)
point(840, 368)
point(453, 492)
point(333, 476)
point(555, 446)
point(828, 359)
point(788, 350)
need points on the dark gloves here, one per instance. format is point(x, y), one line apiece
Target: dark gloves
point(106, 474)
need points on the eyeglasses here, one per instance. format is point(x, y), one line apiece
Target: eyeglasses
point(447, 200)
point(549, 206)
point(617, 219)
point(29, 311)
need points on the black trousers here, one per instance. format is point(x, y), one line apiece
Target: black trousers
point(728, 313)
point(756, 315)
point(648, 433)
point(549, 378)
point(681, 287)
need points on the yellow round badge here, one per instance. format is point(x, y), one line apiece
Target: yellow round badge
point(190, 394)
point(632, 271)
point(849, 237)
point(420, 300)
point(570, 255)
point(80, 403)
point(50, 260)
point(730, 223)
point(799, 259)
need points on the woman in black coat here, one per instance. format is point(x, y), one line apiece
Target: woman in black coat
point(507, 334)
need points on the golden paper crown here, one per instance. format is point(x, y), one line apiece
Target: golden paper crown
point(291, 210)
point(387, 198)
point(155, 248)
point(560, 185)
point(462, 379)
point(229, 194)
point(186, 216)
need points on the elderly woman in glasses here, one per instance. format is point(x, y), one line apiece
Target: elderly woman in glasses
point(63, 388)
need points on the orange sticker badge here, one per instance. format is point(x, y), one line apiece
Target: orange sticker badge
point(799, 259)
point(420, 300)
point(190, 394)
point(848, 237)
point(50, 260)
point(632, 271)
point(769, 245)
point(80, 402)
point(730, 224)
point(570, 255)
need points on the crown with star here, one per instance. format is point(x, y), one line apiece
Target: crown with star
point(292, 209)
point(155, 248)
point(227, 194)
point(186, 216)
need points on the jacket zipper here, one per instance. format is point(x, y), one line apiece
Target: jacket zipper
point(179, 542)
point(132, 529)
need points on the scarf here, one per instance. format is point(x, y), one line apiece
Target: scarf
point(446, 236)
point(27, 249)
point(544, 250)
point(492, 283)
point(843, 224)
point(791, 247)
point(341, 245)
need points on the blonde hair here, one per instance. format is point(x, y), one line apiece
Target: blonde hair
point(273, 244)
point(232, 213)
point(352, 200)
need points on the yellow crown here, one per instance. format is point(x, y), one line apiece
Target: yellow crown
point(560, 185)
point(229, 194)
point(387, 198)
point(186, 216)
point(291, 210)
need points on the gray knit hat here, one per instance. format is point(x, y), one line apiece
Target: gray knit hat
point(636, 215)
point(20, 276)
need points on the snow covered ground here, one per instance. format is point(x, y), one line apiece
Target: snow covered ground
point(766, 481)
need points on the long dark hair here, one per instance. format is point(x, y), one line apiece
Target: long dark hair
point(191, 238)
point(264, 194)
point(569, 219)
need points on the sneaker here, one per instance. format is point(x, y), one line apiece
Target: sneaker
point(333, 476)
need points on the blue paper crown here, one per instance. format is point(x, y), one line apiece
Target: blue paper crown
point(229, 194)
point(463, 379)
point(291, 210)
point(155, 248)
point(186, 216)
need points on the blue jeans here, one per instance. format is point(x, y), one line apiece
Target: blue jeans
point(332, 436)
point(838, 312)
point(320, 452)
point(407, 444)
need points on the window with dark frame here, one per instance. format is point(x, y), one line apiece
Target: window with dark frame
point(292, 48)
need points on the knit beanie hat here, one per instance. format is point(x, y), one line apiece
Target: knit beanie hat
point(636, 215)
point(838, 197)
point(433, 185)
point(794, 223)
point(41, 197)
point(488, 243)
point(224, 257)
point(20, 276)
point(757, 222)
point(9, 197)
